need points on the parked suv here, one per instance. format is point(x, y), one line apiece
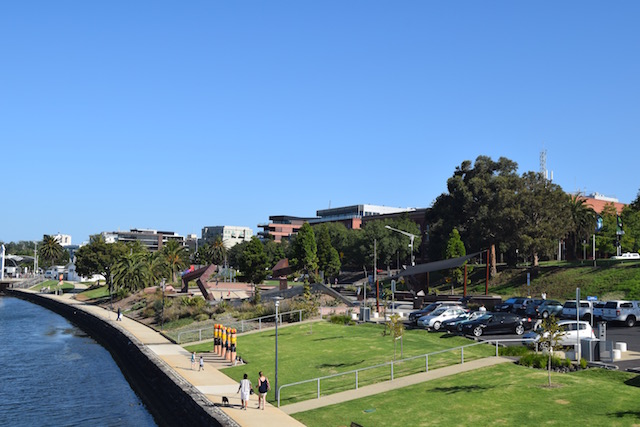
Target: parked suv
point(415, 315)
point(546, 309)
point(569, 330)
point(627, 312)
point(569, 310)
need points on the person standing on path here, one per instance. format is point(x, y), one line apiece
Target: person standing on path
point(193, 361)
point(119, 314)
point(245, 390)
point(201, 364)
point(263, 388)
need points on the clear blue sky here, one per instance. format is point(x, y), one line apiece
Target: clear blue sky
point(178, 115)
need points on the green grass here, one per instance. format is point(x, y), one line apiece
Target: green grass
point(608, 280)
point(97, 293)
point(332, 348)
point(53, 284)
point(502, 395)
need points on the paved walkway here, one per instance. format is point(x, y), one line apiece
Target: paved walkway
point(384, 387)
point(211, 382)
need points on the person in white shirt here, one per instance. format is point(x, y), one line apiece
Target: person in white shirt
point(245, 390)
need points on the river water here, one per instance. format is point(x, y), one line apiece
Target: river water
point(53, 374)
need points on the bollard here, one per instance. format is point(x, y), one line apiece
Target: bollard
point(215, 338)
point(223, 348)
point(234, 339)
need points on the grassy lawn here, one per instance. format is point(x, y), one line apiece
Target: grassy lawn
point(53, 284)
point(101, 292)
point(503, 395)
point(331, 349)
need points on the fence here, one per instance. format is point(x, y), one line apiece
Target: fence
point(390, 365)
point(242, 325)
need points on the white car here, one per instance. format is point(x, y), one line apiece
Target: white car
point(570, 335)
point(434, 319)
point(627, 255)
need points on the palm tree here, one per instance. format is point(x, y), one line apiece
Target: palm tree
point(130, 272)
point(155, 266)
point(50, 249)
point(582, 221)
point(218, 251)
point(175, 255)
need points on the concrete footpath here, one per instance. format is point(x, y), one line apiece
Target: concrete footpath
point(386, 386)
point(211, 382)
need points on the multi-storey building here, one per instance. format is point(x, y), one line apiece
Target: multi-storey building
point(152, 239)
point(231, 235)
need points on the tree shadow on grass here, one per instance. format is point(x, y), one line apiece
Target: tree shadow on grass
point(624, 414)
point(327, 338)
point(339, 365)
point(635, 381)
point(460, 389)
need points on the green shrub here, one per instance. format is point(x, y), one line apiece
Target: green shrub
point(149, 312)
point(583, 363)
point(342, 319)
point(516, 350)
point(202, 317)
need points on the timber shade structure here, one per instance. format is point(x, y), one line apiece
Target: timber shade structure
point(437, 265)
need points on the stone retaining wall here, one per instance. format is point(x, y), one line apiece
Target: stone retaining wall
point(169, 398)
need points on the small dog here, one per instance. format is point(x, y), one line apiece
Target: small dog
point(225, 401)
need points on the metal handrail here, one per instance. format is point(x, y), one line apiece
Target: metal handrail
point(209, 329)
point(425, 356)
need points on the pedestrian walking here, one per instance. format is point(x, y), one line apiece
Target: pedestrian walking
point(119, 314)
point(245, 390)
point(193, 361)
point(201, 364)
point(482, 308)
point(544, 295)
point(263, 388)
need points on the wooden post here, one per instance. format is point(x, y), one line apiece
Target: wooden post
point(464, 292)
point(486, 283)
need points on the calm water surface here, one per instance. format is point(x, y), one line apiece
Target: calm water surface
point(53, 374)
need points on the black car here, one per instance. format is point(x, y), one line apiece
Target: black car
point(497, 323)
point(512, 305)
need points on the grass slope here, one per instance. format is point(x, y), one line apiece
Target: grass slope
point(503, 395)
point(314, 350)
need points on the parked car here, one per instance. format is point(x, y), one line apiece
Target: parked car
point(546, 308)
point(455, 325)
point(569, 310)
point(495, 323)
point(512, 305)
point(627, 255)
point(434, 319)
point(627, 312)
point(530, 305)
point(415, 315)
point(598, 309)
point(570, 333)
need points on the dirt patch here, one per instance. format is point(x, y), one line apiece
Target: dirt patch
point(562, 402)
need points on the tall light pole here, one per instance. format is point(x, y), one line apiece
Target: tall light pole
point(2, 251)
point(411, 236)
point(277, 391)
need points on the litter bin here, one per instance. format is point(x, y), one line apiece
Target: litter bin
point(365, 314)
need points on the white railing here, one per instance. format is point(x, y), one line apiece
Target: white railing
point(243, 325)
point(391, 364)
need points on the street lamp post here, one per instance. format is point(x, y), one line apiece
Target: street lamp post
point(277, 391)
point(163, 287)
point(411, 236)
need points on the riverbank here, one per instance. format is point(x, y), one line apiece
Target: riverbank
point(159, 371)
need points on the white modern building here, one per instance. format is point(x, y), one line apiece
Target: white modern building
point(152, 239)
point(231, 235)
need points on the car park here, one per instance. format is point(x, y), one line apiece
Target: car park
point(495, 323)
point(415, 315)
point(530, 304)
point(434, 319)
point(569, 334)
point(627, 312)
point(598, 308)
point(455, 325)
point(547, 308)
point(585, 311)
point(511, 305)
